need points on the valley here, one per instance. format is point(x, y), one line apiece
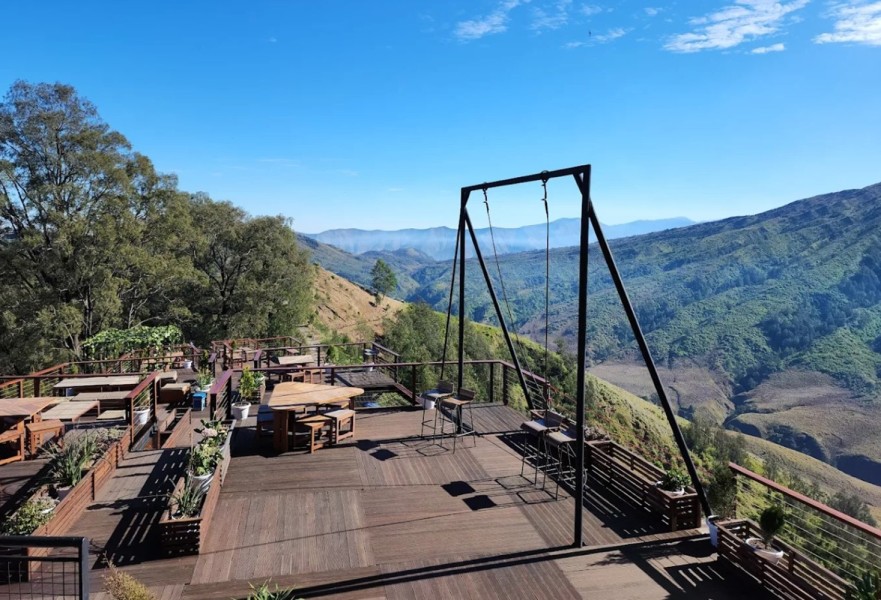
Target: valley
point(770, 323)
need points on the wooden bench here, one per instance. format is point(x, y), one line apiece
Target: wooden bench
point(172, 393)
point(36, 431)
point(14, 435)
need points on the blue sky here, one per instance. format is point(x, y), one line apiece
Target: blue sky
point(373, 114)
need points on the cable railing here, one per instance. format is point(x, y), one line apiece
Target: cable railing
point(844, 545)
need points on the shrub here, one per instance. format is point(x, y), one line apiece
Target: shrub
point(264, 592)
point(772, 520)
point(675, 479)
point(31, 515)
point(122, 586)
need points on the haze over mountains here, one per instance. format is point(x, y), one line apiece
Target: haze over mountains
point(771, 323)
point(439, 242)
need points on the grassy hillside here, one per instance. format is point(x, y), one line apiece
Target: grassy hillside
point(345, 308)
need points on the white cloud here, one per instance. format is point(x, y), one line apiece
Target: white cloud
point(589, 10)
point(651, 11)
point(555, 18)
point(604, 38)
point(495, 22)
point(856, 22)
point(767, 49)
point(732, 25)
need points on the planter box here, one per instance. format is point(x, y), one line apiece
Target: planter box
point(71, 508)
point(794, 577)
point(634, 478)
point(187, 536)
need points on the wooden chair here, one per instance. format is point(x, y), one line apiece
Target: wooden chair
point(13, 435)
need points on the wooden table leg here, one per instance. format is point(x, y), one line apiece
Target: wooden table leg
point(280, 435)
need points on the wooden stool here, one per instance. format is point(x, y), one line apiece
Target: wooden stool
point(13, 435)
point(36, 431)
point(311, 427)
point(343, 425)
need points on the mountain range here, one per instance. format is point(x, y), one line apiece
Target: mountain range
point(439, 242)
point(770, 323)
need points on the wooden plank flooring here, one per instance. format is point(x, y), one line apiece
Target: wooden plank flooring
point(390, 515)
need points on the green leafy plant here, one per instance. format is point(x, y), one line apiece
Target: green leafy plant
point(204, 378)
point(31, 515)
point(204, 458)
point(868, 587)
point(771, 521)
point(111, 343)
point(264, 592)
point(722, 491)
point(675, 479)
point(68, 461)
point(213, 431)
point(247, 385)
point(187, 502)
point(122, 586)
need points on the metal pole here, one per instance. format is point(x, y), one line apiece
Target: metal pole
point(492, 295)
point(462, 214)
point(84, 569)
point(649, 362)
point(450, 306)
point(583, 181)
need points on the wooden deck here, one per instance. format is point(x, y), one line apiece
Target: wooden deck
point(392, 516)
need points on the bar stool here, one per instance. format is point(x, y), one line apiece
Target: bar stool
point(536, 430)
point(443, 390)
point(457, 405)
point(561, 442)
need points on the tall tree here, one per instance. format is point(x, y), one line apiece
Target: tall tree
point(80, 215)
point(255, 281)
point(383, 279)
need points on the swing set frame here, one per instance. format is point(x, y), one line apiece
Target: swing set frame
point(581, 175)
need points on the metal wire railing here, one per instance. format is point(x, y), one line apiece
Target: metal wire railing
point(837, 541)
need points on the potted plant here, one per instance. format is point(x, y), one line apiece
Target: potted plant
point(203, 460)
point(675, 480)
point(722, 495)
point(771, 521)
point(204, 379)
point(141, 415)
point(68, 462)
point(247, 388)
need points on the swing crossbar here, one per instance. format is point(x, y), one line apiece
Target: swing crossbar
point(543, 176)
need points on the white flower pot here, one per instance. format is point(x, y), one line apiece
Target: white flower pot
point(188, 364)
point(240, 411)
point(141, 416)
point(769, 554)
point(200, 482)
point(427, 404)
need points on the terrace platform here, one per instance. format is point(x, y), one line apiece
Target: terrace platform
point(391, 515)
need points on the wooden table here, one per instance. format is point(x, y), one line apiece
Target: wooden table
point(108, 400)
point(300, 360)
point(72, 411)
point(115, 381)
point(292, 396)
point(25, 408)
point(18, 410)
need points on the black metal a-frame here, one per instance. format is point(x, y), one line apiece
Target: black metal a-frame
point(581, 175)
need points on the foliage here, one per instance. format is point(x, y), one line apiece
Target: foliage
point(772, 520)
point(264, 592)
point(675, 479)
point(122, 586)
point(248, 385)
point(204, 459)
point(382, 279)
point(112, 343)
point(68, 462)
point(204, 378)
point(31, 515)
point(213, 432)
point(868, 587)
point(722, 491)
point(852, 505)
point(92, 238)
point(187, 502)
